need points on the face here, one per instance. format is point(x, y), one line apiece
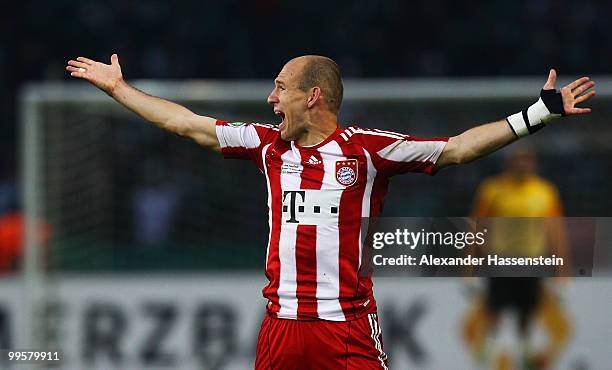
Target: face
point(522, 163)
point(289, 102)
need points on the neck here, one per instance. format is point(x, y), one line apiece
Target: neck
point(319, 128)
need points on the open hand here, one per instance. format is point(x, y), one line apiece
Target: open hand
point(573, 93)
point(103, 76)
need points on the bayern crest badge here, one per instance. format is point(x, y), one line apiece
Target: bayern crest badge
point(346, 172)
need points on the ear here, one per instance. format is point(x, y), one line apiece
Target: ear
point(315, 95)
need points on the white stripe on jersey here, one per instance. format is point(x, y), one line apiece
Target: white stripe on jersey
point(409, 150)
point(287, 288)
point(331, 152)
point(237, 136)
point(328, 245)
point(391, 133)
point(366, 201)
point(263, 160)
point(374, 133)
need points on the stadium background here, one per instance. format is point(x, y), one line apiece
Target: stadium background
point(127, 200)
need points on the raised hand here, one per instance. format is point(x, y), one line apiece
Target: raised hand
point(103, 76)
point(573, 93)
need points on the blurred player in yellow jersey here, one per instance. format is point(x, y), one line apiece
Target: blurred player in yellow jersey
point(519, 192)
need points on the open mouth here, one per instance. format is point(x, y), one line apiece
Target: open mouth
point(283, 122)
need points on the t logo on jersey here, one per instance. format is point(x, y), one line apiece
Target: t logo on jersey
point(346, 172)
point(292, 200)
point(311, 207)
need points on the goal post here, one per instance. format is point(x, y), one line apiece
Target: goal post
point(84, 169)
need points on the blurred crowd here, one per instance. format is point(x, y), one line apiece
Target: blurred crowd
point(252, 39)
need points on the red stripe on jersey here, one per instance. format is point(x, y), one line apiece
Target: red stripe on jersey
point(237, 152)
point(265, 134)
point(312, 174)
point(349, 225)
point(273, 263)
point(306, 267)
point(379, 191)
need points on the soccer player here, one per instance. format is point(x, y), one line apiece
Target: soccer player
point(322, 179)
point(520, 192)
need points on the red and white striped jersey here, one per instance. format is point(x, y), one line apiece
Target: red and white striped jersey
point(317, 196)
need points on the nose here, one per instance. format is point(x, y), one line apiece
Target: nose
point(272, 98)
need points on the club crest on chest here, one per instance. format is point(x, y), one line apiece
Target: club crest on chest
point(347, 172)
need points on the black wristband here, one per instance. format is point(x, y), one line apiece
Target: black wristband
point(553, 101)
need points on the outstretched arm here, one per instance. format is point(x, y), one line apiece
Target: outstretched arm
point(160, 112)
point(482, 140)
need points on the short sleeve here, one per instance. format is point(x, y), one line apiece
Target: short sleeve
point(394, 153)
point(239, 140)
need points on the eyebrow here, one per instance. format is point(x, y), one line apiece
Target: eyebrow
point(279, 82)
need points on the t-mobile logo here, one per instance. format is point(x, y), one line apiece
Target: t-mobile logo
point(310, 206)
